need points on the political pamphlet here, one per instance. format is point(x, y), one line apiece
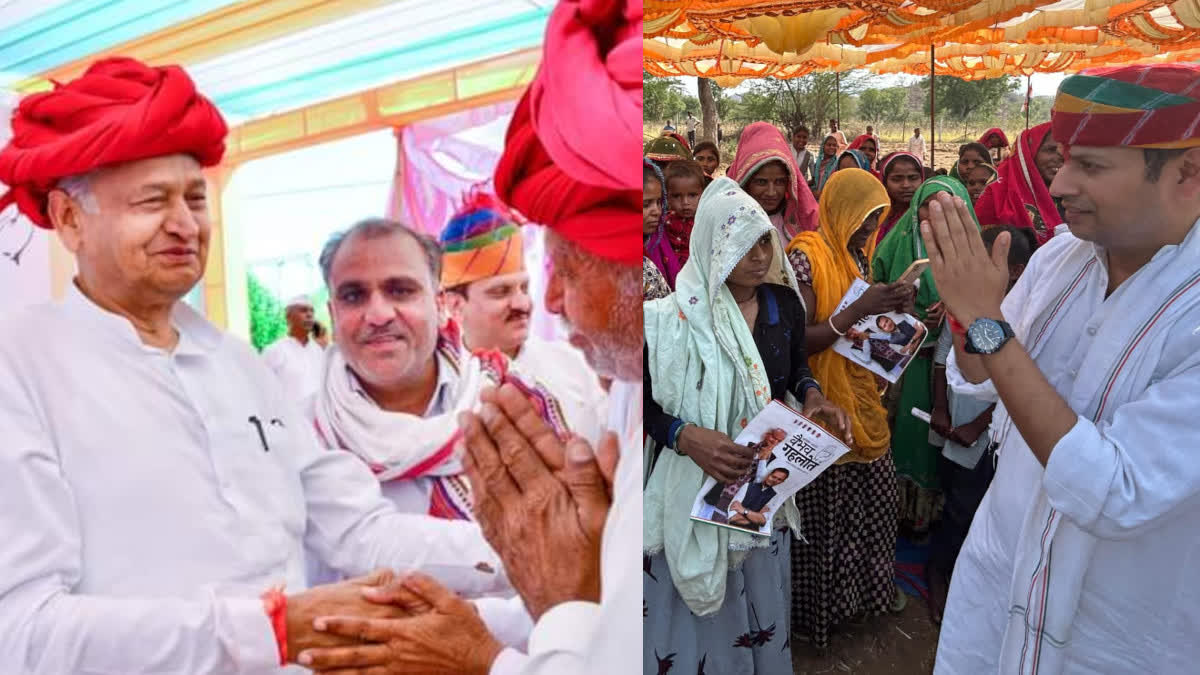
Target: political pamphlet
point(790, 451)
point(882, 343)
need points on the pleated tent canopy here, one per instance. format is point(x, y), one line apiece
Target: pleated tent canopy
point(732, 40)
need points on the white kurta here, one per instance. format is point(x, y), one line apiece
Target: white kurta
point(562, 369)
point(144, 513)
point(298, 367)
point(1111, 519)
point(585, 638)
point(916, 146)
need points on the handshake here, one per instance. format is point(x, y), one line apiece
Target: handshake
point(388, 624)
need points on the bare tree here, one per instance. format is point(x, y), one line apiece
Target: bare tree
point(708, 109)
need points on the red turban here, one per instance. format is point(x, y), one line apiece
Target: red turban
point(119, 110)
point(568, 160)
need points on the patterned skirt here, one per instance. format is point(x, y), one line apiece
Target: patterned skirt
point(749, 635)
point(846, 569)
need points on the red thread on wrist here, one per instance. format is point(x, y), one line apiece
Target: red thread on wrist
point(955, 326)
point(275, 605)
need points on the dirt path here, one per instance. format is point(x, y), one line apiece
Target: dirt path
point(893, 644)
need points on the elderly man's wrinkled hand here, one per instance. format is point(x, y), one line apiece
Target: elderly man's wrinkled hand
point(345, 598)
point(449, 637)
point(545, 526)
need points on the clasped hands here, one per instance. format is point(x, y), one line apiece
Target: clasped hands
point(540, 501)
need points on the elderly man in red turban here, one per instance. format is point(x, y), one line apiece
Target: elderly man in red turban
point(157, 482)
point(568, 531)
point(1081, 559)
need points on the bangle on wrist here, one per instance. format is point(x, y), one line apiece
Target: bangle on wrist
point(675, 437)
point(275, 605)
point(841, 333)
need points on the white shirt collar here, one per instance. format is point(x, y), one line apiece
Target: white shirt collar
point(196, 334)
point(443, 391)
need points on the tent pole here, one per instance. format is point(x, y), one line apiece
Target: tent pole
point(837, 82)
point(1028, 92)
point(932, 107)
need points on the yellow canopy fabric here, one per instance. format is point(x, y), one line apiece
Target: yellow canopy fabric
point(731, 40)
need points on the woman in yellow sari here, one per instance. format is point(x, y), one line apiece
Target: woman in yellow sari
point(845, 570)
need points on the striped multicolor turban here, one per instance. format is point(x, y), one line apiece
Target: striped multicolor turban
point(483, 239)
point(1147, 106)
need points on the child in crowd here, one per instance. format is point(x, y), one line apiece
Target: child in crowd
point(961, 422)
point(978, 178)
point(685, 183)
point(708, 156)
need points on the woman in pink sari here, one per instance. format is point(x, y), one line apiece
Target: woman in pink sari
point(869, 146)
point(766, 169)
point(656, 248)
point(1021, 196)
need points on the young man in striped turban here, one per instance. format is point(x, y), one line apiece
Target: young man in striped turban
point(1081, 557)
point(485, 289)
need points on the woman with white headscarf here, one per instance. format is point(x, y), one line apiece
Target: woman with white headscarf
point(728, 341)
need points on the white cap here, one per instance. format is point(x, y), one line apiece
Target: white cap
point(299, 301)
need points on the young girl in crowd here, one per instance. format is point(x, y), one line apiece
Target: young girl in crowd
point(902, 174)
point(970, 156)
point(829, 157)
point(978, 178)
point(685, 183)
point(708, 156)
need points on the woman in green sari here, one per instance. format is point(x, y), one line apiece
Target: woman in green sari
point(916, 459)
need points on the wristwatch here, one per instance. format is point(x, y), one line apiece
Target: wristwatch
point(987, 336)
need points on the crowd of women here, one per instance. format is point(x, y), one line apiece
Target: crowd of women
point(744, 275)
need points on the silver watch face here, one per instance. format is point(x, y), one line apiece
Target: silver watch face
point(986, 335)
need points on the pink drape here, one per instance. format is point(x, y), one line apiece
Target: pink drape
point(437, 162)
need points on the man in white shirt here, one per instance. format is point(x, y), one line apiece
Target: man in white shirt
point(916, 145)
point(1080, 557)
point(486, 290)
point(540, 500)
point(395, 382)
point(692, 123)
point(838, 134)
point(156, 481)
point(296, 358)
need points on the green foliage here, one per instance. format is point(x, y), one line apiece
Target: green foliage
point(663, 98)
point(962, 101)
point(880, 106)
point(810, 100)
point(267, 322)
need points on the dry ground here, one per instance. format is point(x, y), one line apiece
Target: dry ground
point(893, 644)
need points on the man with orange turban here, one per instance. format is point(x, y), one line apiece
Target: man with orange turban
point(567, 527)
point(156, 479)
point(486, 291)
point(1081, 557)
